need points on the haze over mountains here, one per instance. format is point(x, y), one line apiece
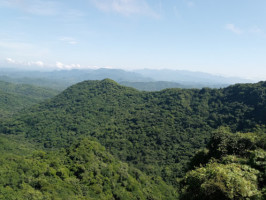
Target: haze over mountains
point(184, 76)
point(145, 79)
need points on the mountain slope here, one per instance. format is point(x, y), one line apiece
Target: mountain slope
point(83, 171)
point(11, 103)
point(34, 92)
point(157, 132)
point(15, 97)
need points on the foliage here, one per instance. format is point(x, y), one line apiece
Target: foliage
point(235, 169)
point(157, 132)
point(34, 92)
point(11, 103)
point(82, 171)
point(221, 182)
point(15, 97)
point(225, 143)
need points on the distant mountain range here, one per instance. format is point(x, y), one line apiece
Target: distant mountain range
point(188, 77)
point(145, 79)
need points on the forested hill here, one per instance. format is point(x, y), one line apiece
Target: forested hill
point(34, 92)
point(83, 171)
point(12, 103)
point(157, 132)
point(15, 97)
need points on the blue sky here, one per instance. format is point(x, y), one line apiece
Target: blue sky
point(225, 37)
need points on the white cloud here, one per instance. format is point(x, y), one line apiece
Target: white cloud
point(36, 63)
point(60, 65)
point(125, 7)
point(69, 40)
point(25, 63)
point(233, 28)
point(10, 60)
point(40, 64)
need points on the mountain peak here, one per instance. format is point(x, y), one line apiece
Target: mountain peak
point(109, 81)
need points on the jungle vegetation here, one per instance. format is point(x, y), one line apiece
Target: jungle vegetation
point(101, 140)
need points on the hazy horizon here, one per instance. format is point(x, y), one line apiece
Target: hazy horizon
point(171, 72)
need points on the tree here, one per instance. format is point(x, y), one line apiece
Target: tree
point(221, 182)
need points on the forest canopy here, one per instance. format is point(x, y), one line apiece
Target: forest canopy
point(173, 136)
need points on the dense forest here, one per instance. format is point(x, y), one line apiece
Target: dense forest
point(15, 97)
point(101, 140)
point(84, 170)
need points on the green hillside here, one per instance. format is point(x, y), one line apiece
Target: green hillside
point(11, 103)
point(15, 97)
point(82, 171)
point(34, 92)
point(157, 132)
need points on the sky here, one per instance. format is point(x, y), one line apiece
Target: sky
point(225, 37)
